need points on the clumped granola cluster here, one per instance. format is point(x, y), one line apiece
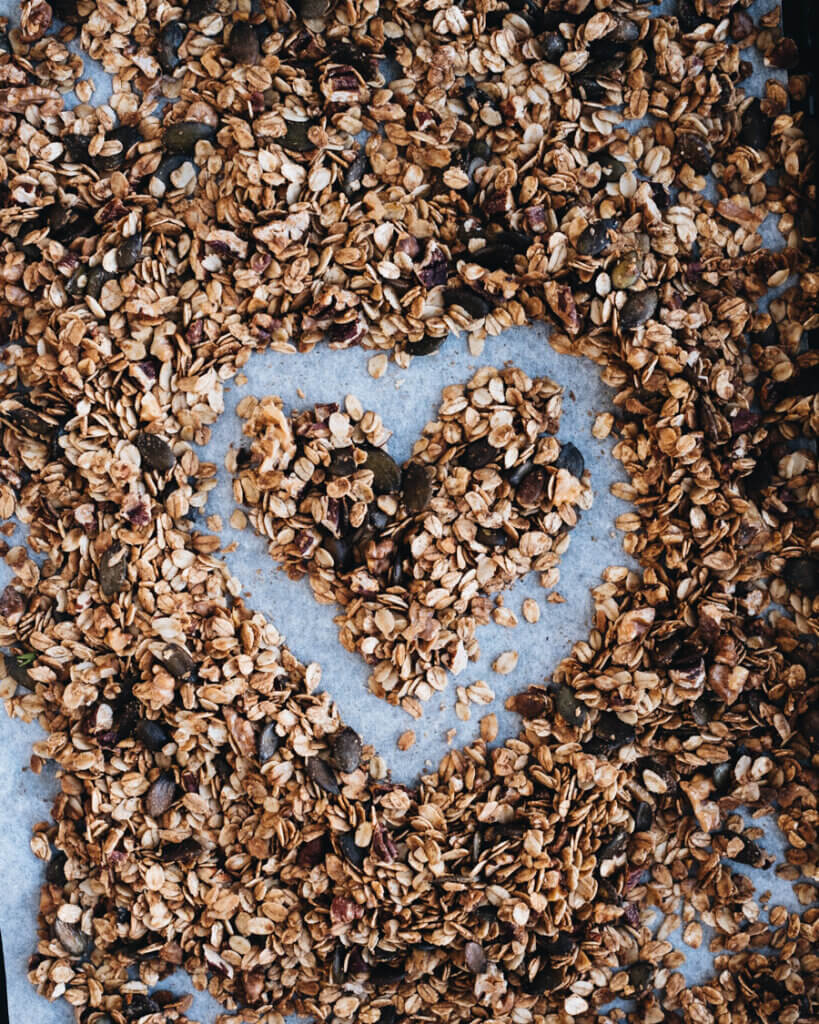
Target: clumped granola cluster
point(214, 812)
point(411, 553)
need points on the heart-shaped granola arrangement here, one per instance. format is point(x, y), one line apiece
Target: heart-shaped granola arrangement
point(411, 553)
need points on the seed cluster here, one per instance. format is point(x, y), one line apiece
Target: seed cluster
point(410, 553)
point(213, 811)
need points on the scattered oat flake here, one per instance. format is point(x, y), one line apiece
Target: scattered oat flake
point(377, 365)
point(489, 727)
point(531, 610)
point(505, 663)
point(406, 740)
point(601, 428)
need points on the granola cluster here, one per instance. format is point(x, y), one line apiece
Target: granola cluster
point(411, 553)
point(594, 163)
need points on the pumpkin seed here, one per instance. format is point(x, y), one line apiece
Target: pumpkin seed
point(594, 239)
point(571, 459)
point(639, 308)
point(152, 734)
point(113, 571)
point(243, 44)
point(803, 574)
point(296, 137)
point(478, 454)
point(475, 958)
point(469, 301)
point(346, 748)
point(532, 487)
point(177, 661)
point(493, 257)
point(73, 941)
point(354, 853)
point(426, 346)
point(171, 37)
point(417, 486)
point(182, 137)
point(694, 149)
point(311, 9)
point(626, 271)
point(128, 252)
point(323, 775)
point(160, 795)
point(570, 709)
point(385, 470)
point(156, 453)
point(269, 742)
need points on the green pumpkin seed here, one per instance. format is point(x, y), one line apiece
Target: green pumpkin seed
point(347, 750)
point(626, 271)
point(243, 44)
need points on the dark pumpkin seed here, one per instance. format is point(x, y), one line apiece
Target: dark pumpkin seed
point(185, 850)
point(311, 8)
point(547, 979)
point(626, 271)
point(340, 550)
point(570, 709)
point(478, 454)
point(694, 149)
point(77, 283)
point(342, 463)
point(640, 974)
point(170, 39)
point(491, 538)
point(803, 574)
point(475, 958)
point(346, 748)
point(554, 46)
point(141, 1006)
point(571, 459)
point(113, 571)
point(614, 846)
point(516, 240)
point(493, 257)
point(55, 869)
point(73, 941)
point(531, 488)
point(426, 346)
point(643, 817)
point(296, 137)
point(756, 126)
point(611, 169)
point(156, 453)
point(351, 179)
point(182, 137)
point(16, 666)
point(594, 240)
point(177, 661)
point(160, 795)
point(128, 137)
point(723, 776)
point(269, 742)
point(639, 308)
point(416, 482)
point(469, 301)
point(323, 775)
point(243, 44)
point(516, 474)
point(96, 279)
point(129, 252)
point(387, 974)
point(152, 734)
point(385, 470)
point(354, 853)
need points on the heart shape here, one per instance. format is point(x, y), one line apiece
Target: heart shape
point(411, 554)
